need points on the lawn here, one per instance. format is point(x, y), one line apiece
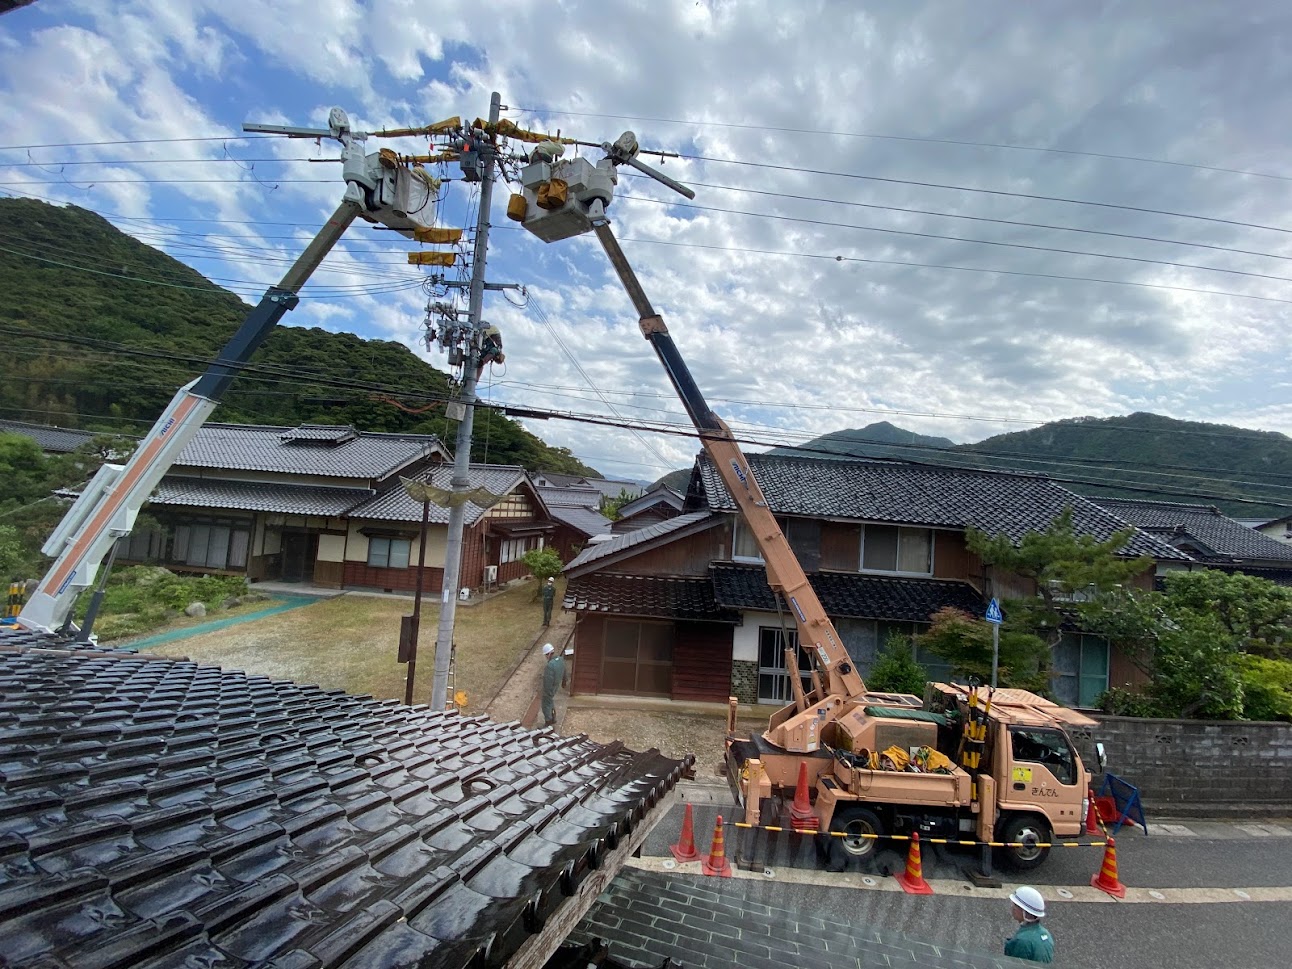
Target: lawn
point(349, 643)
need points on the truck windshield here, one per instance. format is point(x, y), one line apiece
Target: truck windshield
point(1042, 745)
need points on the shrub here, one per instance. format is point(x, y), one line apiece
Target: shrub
point(896, 671)
point(1267, 688)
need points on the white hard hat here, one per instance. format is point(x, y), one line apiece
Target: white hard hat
point(548, 649)
point(1029, 900)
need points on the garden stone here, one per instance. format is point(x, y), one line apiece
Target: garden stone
point(195, 610)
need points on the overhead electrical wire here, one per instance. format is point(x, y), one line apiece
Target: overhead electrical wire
point(911, 264)
point(657, 427)
point(924, 139)
point(1031, 196)
point(948, 238)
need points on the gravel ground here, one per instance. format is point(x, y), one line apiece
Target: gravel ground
point(673, 733)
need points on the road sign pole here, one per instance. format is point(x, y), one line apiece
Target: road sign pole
point(995, 651)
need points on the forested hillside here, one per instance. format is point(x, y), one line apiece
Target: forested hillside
point(1247, 474)
point(131, 325)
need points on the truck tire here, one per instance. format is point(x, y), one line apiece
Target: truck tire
point(852, 823)
point(1025, 828)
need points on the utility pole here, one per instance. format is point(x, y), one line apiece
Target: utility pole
point(461, 480)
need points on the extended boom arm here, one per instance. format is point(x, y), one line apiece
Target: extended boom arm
point(797, 727)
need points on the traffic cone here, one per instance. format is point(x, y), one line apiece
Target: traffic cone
point(684, 850)
point(1106, 880)
point(801, 816)
point(912, 880)
point(717, 861)
point(1092, 820)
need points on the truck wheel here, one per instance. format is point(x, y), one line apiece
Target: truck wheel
point(1032, 831)
point(853, 824)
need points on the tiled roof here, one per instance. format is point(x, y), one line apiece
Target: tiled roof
point(57, 439)
point(570, 497)
point(914, 494)
point(158, 813)
point(629, 539)
point(584, 520)
point(258, 496)
point(238, 447)
point(1223, 536)
point(396, 505)
point(849, 595)
point(661, 495)
point(646, 595)
point(649, 917)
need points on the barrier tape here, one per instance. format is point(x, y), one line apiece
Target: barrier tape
point(928, 841)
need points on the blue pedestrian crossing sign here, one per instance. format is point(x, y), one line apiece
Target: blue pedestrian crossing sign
point(994, 614)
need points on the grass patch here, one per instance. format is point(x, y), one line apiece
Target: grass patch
point(142, 599)
point(349, 643)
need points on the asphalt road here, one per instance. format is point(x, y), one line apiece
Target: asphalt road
point(1189, 905)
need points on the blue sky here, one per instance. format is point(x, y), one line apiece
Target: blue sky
point(812, 123)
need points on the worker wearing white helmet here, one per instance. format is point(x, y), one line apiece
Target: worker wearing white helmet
point(1032, 940)
point(553, 675)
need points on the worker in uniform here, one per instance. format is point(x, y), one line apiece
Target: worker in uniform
point(549, 596)
point(553, 675)
point(1032, 940)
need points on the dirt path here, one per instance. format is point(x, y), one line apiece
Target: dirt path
point(518, 697)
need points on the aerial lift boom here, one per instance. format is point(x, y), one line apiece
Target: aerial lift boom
point(588, 189)
point(376, 190)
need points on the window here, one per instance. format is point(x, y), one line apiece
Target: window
point(895, 548)
point(1079, 669)
point(773, 680)
point(743, 546)
point(213, 545)
point(1046, 746)
point(389, 553)
point(511, 551)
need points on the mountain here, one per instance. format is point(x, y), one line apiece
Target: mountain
point(1140, 455)
point(130, 325)
point(881, 440)
point(1151, 456)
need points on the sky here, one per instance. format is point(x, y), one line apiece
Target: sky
point(962, 218)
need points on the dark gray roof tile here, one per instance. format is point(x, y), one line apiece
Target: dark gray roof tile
point(156, 811)
point(1225, 538)
point(258, 496)
point(850, 595)
point(396, 505)
point(915, 494)
point(585, 520)
point(56, 439)
point(647, 595)
point(238, 447)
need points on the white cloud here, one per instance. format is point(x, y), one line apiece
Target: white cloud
point(970, 350)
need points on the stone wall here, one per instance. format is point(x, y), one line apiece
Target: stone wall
point(744, 680)
point(1183, 763)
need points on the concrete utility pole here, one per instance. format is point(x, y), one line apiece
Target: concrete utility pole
point(461, 480)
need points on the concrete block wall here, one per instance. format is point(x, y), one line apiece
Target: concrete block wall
point(1194, 762)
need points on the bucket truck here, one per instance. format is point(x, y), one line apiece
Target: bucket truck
point(1012, 773)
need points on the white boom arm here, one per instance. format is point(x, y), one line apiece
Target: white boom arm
point(376, 190)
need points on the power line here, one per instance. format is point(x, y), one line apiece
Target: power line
point(947, 238)
point(136, 141)
point(912, 138)
point(978, 218)
point(984, 191)
point(910, 264)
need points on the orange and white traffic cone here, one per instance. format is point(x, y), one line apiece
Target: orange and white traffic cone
point(1106, 880)
point(1092, 820)
point(717, 863)
point(912, 880)
point(684, 850)
point(801, 816)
